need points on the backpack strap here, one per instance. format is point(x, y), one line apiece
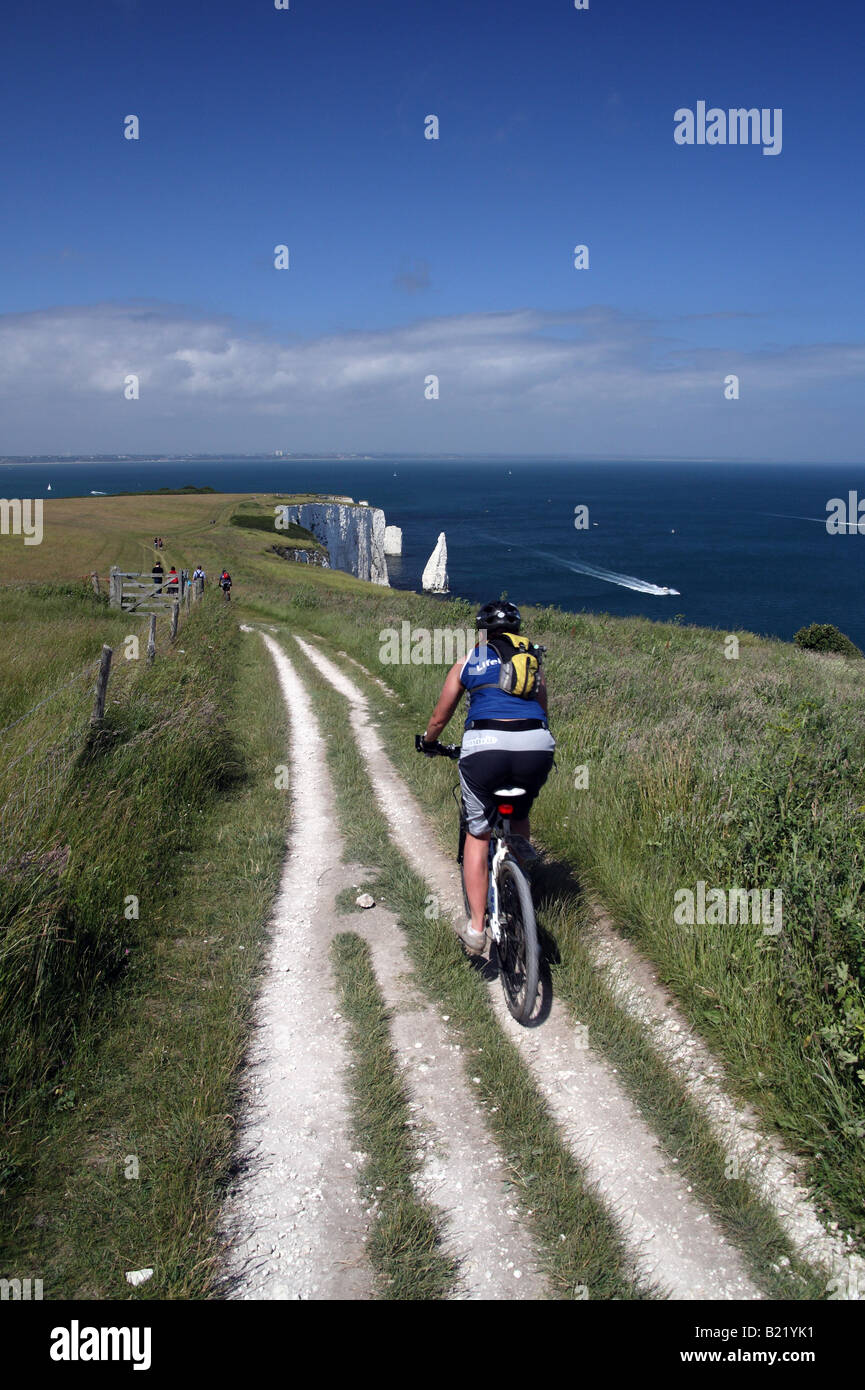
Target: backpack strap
point(511, 650)
point(490, 685)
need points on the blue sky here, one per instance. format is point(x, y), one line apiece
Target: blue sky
point(412, 257)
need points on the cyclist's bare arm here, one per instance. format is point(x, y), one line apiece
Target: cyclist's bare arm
point(541, 693)
point(452, 692)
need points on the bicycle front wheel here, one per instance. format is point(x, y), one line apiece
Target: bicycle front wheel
point(519, 958)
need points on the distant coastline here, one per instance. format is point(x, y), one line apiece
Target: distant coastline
point(23, 460)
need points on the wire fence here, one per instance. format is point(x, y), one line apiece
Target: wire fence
point(93, 666)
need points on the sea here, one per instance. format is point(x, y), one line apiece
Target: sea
point(728, 546)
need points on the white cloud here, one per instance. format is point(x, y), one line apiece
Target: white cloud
point(581, 381)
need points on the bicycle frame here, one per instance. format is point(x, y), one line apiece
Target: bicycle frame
point(500, 853)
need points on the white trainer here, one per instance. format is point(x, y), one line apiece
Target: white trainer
point(474, 940)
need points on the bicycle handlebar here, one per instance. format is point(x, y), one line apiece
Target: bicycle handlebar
point(436, 750)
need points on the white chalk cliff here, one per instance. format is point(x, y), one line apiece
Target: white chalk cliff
point(352, 535)
point(435, 575)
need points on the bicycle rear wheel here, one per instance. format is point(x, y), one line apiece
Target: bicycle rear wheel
point(519, 958)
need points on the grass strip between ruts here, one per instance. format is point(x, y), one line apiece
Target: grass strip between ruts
point(405, 1240)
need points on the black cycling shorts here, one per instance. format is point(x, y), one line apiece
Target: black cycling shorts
point(494, 757)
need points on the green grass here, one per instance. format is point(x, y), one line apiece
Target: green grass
point(99, 859)
point(48, 633)
point(110, 1057)
point(291, 534)
point(186, 490)
point(404, 1245)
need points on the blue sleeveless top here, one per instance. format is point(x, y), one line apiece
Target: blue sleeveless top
point(493, 703)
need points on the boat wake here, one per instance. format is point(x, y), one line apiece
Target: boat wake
point(626, 581)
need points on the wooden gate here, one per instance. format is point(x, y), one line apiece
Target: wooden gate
point(139, 593)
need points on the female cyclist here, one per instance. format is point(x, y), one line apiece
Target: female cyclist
point(506, 743)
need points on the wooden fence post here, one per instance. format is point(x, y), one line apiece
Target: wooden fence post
point(115, 595)
point(101, 686)
point(95, 581)
point(175, 614)
point(151, 640)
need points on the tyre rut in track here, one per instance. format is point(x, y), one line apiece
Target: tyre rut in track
point(294, 1218)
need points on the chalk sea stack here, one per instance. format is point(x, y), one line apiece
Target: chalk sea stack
point(435, 575)
point(393, 540)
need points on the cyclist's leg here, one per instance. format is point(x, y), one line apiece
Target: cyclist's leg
point(478, 779)
point(476, 875)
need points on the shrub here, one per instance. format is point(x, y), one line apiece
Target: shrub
point(825, 637)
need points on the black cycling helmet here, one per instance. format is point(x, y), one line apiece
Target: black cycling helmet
point(498, 617)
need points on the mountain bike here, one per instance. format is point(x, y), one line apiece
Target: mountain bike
point(510, 913)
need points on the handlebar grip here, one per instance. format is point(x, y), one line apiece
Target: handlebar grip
point(433, 750)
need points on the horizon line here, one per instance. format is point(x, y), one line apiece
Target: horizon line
point(156, 456)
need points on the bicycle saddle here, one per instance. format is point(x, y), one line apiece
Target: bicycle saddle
point(510, 791)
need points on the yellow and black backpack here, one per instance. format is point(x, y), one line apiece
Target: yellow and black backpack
point(520, 665)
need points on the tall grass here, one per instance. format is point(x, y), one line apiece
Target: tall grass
point(120, 1159)
point(76, 908)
